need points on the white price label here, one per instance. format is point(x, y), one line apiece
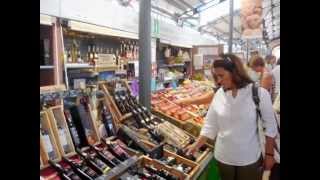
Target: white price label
point(47, 143)
point(62, 137)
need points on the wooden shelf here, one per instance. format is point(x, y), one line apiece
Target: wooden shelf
point(47, 67)
point(78, 65)
point(171, 65)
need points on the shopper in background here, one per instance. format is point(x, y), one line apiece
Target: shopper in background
point(276, 75)
point(275, 171)
point(270, 62)
point(266, 79)
point(231, 121)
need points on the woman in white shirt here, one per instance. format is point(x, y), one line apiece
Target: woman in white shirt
point(231, 122)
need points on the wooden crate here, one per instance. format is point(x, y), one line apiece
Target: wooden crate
point(180, 159)
point(43, 151)
point(144, 160)
point(57, 117)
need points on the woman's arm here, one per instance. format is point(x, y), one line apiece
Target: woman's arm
point(206, 98)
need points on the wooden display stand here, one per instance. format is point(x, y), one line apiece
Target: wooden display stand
point(180, 159)
point(43, 152)
point(57, 118)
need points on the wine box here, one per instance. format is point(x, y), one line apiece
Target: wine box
point(108, 92)
point(179, 159)
point(62, 135)
point(91, 124)
point(45, 140)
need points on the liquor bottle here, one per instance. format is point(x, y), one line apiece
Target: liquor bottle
point(64, 174)
point(79, 58)
point(116, 150)
point(73, 131)
point(117, 57)
point(90, 55)
point(107, 120)
point(46, 51)
point(95, 56)
point(95, 163)
point(63, 139)
point(69, 57)
point(106, 156)
point(81, 169)
point(76, 119)
point(47, 142)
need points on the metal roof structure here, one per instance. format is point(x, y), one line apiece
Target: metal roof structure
point(212, 17)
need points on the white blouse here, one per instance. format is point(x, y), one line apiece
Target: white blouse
point(232, 121)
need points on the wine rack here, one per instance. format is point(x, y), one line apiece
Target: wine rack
point(46, 139)
point(57, 119)
point(110, 101)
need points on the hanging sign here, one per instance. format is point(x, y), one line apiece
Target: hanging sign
point(251, 19)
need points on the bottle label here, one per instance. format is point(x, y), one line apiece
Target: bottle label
point(108, 155)
point(62, 137)
point(75, 136)
point(47, 143)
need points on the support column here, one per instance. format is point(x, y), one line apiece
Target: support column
point(230, 27)
point(145, 53)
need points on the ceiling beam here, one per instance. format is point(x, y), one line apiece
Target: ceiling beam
point(175, 4)
point(224, 19)
point(186, 4)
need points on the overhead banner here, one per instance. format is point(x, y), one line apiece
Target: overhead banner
point(251, 19)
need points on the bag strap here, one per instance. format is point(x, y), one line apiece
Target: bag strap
point(256, 100)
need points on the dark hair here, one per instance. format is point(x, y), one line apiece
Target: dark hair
point(233, 64)
point(268, 58)
point(257, 61)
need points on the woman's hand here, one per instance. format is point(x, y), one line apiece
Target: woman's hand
point(269, 161)
point(191, 149)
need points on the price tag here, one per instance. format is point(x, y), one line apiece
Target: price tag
point(62, 137)
point(47, 143)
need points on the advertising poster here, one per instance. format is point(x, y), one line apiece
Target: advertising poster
point(251, 19)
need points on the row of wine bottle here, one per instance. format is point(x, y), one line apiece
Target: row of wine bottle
point(127, 50)
point(79, 125)
point(147, 172)
point(93, 163)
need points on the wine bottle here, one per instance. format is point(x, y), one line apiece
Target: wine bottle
point(117, 150)
point(79, 58)
point(69, 57)
point(120, 105)
point(106, 156)
point(81, 169)
point(63, 139)
point(95, 163)
point(162, 173)
point(95, 56)
point(46, 43)
point(47, 142)
point(107, 120)
point(75, 114)
point(73, 131)
point(64, 174)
